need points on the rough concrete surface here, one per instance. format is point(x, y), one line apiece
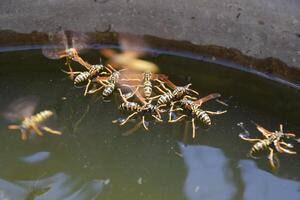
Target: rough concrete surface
point(269, 28)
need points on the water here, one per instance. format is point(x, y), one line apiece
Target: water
point(92, 160)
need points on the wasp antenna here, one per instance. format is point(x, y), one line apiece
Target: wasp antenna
point(111, 68)
point(193, 91)
point(281, 128)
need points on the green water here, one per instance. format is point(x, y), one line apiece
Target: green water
point(92, 160)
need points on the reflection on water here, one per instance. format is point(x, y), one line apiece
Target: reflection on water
point(58, 186)
point(263, 185)
point(209, 176)
point(92, 160)
point(36, 157)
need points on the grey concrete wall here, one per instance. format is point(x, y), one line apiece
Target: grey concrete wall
point(269, 28)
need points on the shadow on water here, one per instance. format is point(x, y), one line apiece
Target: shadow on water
point(91, 160)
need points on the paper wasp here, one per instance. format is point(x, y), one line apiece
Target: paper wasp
point(144, 81)
point(22, 110)
point(194, 107)
point(178, 92)
point(147, 108)
point(93, 72)
point(270, 141)
point(62, 49)
point(110, 83)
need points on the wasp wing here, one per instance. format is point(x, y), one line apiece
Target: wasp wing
point(58, 43)
point(207, 98)
point(79, 40)
point(21, 108)
point(266, 133)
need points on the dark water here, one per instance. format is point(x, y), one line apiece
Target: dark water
point(92, 160)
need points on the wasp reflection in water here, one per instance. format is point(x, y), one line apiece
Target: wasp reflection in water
point(22, 110)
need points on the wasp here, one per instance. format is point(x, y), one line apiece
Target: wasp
point(93, 72)
point(147, 108)
point(178, 92)
point(108, 84)
point(194, 107)
point(144, 81)
point(65, 48)
point(22, 110)
point(270, 141)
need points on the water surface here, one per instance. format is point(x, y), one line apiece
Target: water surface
point(92, 160)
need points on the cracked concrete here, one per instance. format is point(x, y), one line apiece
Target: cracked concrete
point(269, 28)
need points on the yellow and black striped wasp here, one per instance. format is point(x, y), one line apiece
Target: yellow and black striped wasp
point(144, 109)
point(177, 92)
point(22, 110)
point(271, 141)
point(93, 71)
point(195, 110)
point(66, 46)
point(145, 82)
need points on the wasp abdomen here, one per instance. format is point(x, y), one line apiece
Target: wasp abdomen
point(130, 106)
point(41, 116)
point(81, 77)
point(259, 146)
point(147, 89)
point(203, 116)
point(166, 98)
point(108, 90)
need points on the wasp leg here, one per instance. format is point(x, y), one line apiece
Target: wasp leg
point(249, 139)
point(175, 120)
point(49, 130)
point(157, 118)
point(215, 113)
point(68, 63)
point(37, 130)
point(110, 68)
point(292, 135)
point(280, 149)
point(194, 128)
point(191, 90)
point(102, 82)
point(173, 110)
point(158, 113)
point(159, 89)
point(163, 86)
point(87, 87)
point(122, 96)
point(250, 154)
point(286, 144)
point(95, 90)
point(271, 159)
point(155, 97)
point(144, 123)
point(71, 73)
point(13, 127)
point(23, 134)
point(132, 94)
point(191, 98)
point(130, 116)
